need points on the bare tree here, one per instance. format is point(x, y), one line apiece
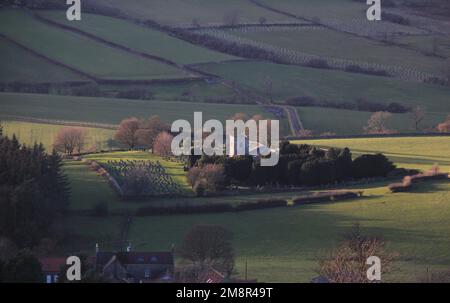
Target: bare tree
point(209, 246)
point(127, 133)
point(231, 18)
point(377, 123)
point(148, 130)
point(262, 20)
point(70, 140)
point(418, 115)
point(347, 263)
point(162, 144)
point(444, 127)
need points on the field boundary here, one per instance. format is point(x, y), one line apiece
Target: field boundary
point(58, 122)
point(111, 44)
point(370, 136)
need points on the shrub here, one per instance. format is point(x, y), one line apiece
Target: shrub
point(261, 204)
point(211, 177)
point(369, 166)
point(302, 101)
point(318, 63)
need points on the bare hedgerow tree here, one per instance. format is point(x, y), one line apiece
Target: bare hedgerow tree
point(444, 127)
point(231, 18)
point(377, 123)
point(209, 246)
point(149, 130)
point(162, 144)
point(70, 140)
point(418, 116)
point(347, 263)
point(127, 133)
point(208, 178)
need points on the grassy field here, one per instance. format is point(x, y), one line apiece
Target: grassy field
point(88, 188)
point(349, 122)
point(80, 52)
point(426, 43)
point(112, 111)
point(409, 152)
point(28, 133)
point(140, 38)
point(283, 245)
point(195, 91)
point(19, 65)
point(184, 12)
point(334, 44)
point(289, 81)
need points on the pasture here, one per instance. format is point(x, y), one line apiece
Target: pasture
point(139, 38)
point(29, 133)
point(79, 52)
point(112, 111)
point(20, 65)
point(203, 12)
point(332, 45)
point(408, 152)
point(350, 122)
point(285, 244)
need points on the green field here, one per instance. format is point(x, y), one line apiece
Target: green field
point(88, 188)
point(289, 81)
point(80, 52)
point(112, 111)
point(139, 38)
point(195, 91)
point(409, 152)
point(426, 43)
point(283, 245)
point(349, 122)
point(333, 44)
point(19, 65)
point(183, 12)
point(29, 133)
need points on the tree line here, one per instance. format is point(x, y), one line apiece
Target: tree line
point(299, 165)
point(34, 195)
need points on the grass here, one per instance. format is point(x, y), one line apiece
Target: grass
point(195, 91)
point(80, 52)
point(139, 38)
point(289, 81)
point(112, 111)
point(183, 12)
point(174, 169)
point(29, 133)
point(408, 152)
point(349, 122)
point(20, 65)
point(89, 188)
point(283, 245)
point(323, 9)
point(334, 44)
point(426, 43)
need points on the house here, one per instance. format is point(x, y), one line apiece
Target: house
point(51, 268)
point(211, 276)
point(136, 267)
point(242, 144)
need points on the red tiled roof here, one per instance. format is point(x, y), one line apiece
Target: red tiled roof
point(49, 264)
point(212, 276)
